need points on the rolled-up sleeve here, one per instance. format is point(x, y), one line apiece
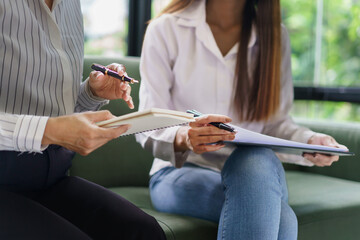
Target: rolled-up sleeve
point(87, 101)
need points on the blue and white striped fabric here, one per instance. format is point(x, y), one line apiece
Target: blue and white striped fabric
point(41, 62)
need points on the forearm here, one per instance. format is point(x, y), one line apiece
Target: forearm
point(79, 133)
point(180, 142)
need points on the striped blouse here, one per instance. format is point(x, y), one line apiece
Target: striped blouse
point(41, 63)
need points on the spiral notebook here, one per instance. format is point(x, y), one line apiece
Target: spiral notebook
point(149, 120)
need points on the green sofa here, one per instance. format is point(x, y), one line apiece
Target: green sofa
point(325, 200)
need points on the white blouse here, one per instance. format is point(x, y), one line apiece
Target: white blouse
point(182, 68)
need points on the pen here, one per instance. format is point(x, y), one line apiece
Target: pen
point(216, 124)
point(112, 73)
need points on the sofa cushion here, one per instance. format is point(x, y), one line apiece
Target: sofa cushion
point(120, 162)
point(326, 207)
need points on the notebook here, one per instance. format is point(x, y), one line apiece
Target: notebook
point(249, 138)
point(157, 118)
point(149, 120)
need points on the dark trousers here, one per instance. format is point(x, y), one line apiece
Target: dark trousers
point(52, 205)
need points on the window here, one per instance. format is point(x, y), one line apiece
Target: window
point(106, 28)
point(322, 110)
point(325, 41)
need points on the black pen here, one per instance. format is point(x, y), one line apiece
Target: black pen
point(216, 124)
point(107, 71)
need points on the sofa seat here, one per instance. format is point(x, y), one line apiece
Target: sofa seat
point(175, 226)
point(322, 205)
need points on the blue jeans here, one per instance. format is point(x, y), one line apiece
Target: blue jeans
point(248, 198)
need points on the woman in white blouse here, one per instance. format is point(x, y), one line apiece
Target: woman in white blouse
point(231, 59)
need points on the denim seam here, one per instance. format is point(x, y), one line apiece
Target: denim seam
point(225, 215)
point(278, 176)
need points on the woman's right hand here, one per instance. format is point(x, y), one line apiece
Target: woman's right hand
point(201, 137)
point(79, 133)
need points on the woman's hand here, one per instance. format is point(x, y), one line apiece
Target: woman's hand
point(108, 87)
point(322, 160)
point(79, 133)
point(201, 137)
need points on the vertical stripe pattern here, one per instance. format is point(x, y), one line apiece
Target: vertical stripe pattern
point(30, 63)
point(41, 63)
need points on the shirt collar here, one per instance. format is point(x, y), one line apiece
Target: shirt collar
point(195, 15)
point(55, 3)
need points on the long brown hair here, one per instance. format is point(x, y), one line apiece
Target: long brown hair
point(261, 97)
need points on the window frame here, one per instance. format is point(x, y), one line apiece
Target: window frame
point(139, 15)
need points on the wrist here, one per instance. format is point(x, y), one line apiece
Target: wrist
point(49, 132)
point(90, 90)
point(180, 142)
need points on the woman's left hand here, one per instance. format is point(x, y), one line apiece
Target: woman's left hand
point(108, 87)
point(319, 159)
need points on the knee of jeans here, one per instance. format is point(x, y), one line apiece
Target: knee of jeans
point(252, 162)
point(288, 223)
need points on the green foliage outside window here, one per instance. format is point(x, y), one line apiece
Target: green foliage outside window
point(339, 30)
point(325, 42)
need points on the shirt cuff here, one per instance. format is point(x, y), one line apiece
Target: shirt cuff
point(180, 158)
point(306, 136)
point(161, 144)
point(28, 134)
point(303, 135)
point(88, 100)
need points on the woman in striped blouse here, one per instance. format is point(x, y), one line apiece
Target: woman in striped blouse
point(41, 55)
